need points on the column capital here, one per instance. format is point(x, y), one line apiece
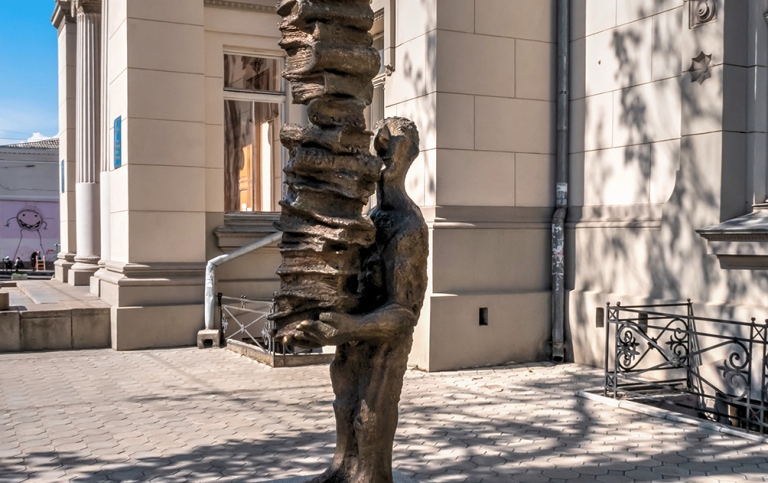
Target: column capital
point(85, 6)
point(62, 13)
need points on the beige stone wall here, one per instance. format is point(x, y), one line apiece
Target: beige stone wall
point(656, 155)
point(477, 78)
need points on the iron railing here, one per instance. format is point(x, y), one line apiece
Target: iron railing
point(714, 367)
point(252, 325)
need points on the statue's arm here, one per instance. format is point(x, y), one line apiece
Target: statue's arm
point(406, 276)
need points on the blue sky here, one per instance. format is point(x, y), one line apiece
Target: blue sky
point(28, 71)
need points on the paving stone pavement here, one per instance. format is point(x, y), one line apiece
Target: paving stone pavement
point(211, 415)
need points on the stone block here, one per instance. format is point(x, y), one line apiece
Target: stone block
point(185, 41)
point(521, 19)
point(478, 178)
point(490, 269)
point(623, 173)
point(174, 239)
point(482, 65)
point(517, 125)
point(177, 11)
point(619, 57)
point(208, 338)
point(50, 330)
point(149, 327)
point(535, 70)
point(175, 188)
point(455, 122)
point(10, 335)
point(95, 286)
point(90, 328)
point(81, 277)
point(638, 118)
point(456, 15)
point(534, 180)
point(178, 100)
point(5, 300)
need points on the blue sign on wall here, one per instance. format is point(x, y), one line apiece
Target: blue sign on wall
point(118, 144)
point(63, 175)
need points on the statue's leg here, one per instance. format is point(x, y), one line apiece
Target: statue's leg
point(376, 422)
point(345, 407)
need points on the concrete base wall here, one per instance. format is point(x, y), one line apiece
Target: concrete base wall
point(152, 327)
point(10, 332)
point(61, 270)
point(54, 330)
point(518, 329)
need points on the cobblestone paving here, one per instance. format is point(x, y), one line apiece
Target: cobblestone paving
point(192, 415)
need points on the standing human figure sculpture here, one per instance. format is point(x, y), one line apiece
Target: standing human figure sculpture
point(374, 340)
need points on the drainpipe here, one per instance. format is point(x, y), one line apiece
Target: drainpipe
point(210, 273)
point(561, 187)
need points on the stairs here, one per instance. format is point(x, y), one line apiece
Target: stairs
point(50, 315)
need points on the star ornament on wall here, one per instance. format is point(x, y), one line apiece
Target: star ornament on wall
point(700, 68)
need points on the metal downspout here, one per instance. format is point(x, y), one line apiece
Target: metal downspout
point(561, 186)
point(210, 273)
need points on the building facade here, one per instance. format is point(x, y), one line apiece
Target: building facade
point(29, 200)
point(170, 114)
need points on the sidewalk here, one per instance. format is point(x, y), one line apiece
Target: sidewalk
point(210, 415)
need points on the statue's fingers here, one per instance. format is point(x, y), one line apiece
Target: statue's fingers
point(300, 337)
point(327, 316)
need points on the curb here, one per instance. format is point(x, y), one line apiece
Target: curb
point(671, 416)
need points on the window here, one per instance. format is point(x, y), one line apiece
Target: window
point(254, 99)
point(375, 112)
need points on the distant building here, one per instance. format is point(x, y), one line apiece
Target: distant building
point(170, 113)
point(29, 200)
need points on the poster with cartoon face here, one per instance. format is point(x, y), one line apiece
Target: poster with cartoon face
point(27, 227)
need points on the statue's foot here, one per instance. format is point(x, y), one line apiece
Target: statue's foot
point(331, 475)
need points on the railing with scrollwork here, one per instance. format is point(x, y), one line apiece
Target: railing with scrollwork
point(721, 366)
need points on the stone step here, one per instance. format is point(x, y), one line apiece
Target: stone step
point(49, 315)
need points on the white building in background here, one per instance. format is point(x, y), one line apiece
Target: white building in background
point(29, 200)
point(170, 112)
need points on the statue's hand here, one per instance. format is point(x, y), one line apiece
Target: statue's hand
point(332, 329)
point(346, 326)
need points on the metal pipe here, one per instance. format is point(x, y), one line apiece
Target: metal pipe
point(210, 273)
point(561, 186)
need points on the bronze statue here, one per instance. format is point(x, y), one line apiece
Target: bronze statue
point(374, 340)
point(346, 279)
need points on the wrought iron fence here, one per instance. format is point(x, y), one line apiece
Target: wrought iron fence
point(664, 351)
point(251, 325)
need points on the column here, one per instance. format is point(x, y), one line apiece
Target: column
point(87, 140)
point(67, 33)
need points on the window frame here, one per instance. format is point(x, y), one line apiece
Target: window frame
point(241, 95)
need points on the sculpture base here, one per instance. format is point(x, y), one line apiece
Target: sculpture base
point(396, 478)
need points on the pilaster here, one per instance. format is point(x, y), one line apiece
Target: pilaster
point(88, 14)
point(104, 184)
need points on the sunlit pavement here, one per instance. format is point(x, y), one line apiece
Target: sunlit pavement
point(211, 415)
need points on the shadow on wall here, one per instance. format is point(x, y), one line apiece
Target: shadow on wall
point(642, 190)
point(416, 77)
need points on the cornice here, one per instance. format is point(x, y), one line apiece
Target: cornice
point(62, 13)
point(240, 5)
point(85, 6)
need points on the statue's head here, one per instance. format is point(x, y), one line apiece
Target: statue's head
point(396, 142)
